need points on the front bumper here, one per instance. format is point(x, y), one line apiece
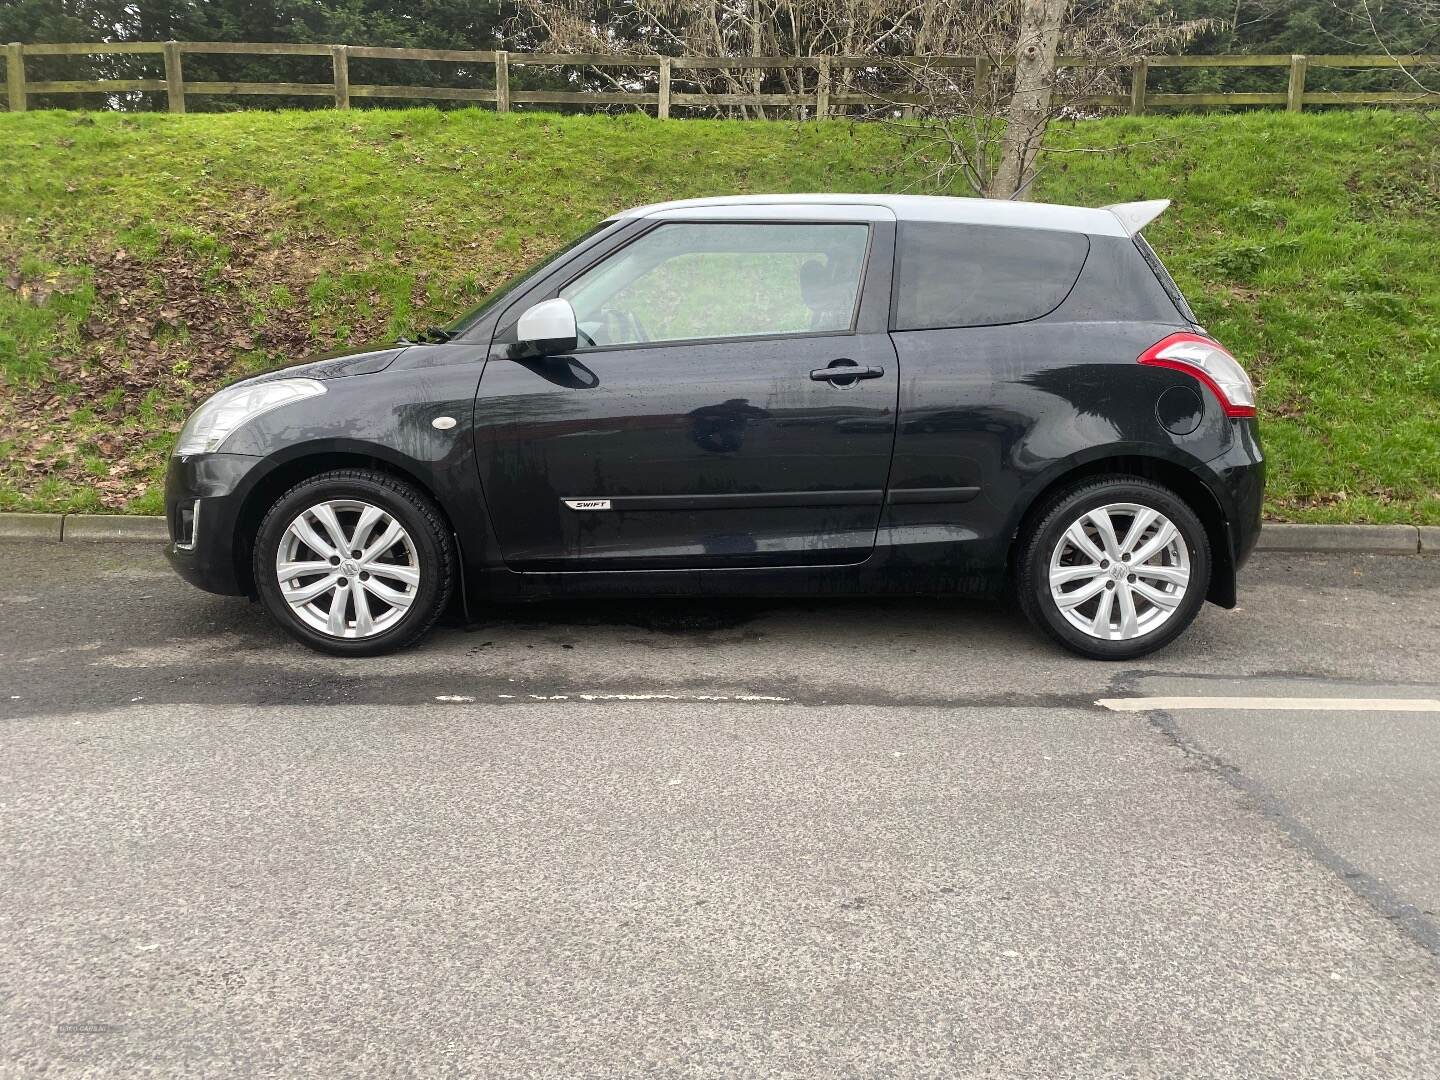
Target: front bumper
point(204, 496)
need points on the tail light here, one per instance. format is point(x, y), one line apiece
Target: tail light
point(1211, 364)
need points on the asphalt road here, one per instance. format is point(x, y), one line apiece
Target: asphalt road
point(699, 838)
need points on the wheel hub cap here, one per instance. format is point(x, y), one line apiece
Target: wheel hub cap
point(335, 591)
point(1119, 571)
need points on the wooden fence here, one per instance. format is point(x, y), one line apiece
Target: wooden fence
point(823, 102)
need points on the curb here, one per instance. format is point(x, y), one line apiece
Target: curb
point(1275, 536)
point(113, 528)
point(32, 527)
point(1371, 539)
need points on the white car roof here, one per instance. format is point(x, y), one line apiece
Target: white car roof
point(1120, 219)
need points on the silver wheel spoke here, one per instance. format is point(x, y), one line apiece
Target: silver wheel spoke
point(393, 597)
point(1077, 536)
point(1143, 520)
point(1067, 574)
point(1129, 621)
point(335, 620)
point(1165, 601)
point(312, 539)
point(364, 623)
point(340, 594)
point(368, 518)
point(303, 594)
point(325, 515)
point(1080, 595)
point(289, 571)
point(1100, 625)
point(1174, 575)
point(1106, 528)
point(387, 540)
point(1156, 544)
point(408, 574)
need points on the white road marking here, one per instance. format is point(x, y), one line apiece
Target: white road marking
point(654, 697)
point(1271, 704)
point(622, 697)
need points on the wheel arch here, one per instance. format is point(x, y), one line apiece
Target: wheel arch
point(301, 466)
point(1197, 494)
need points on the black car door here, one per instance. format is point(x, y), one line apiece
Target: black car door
point(732, 402)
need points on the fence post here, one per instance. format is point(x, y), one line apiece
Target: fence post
point(1138, 75)
point(502, 81)
point(662, 111)
point(340, 62)
point(1295, 99)
point(982, 79)
point(822, 89)
point(174, 77)
point(15, 75)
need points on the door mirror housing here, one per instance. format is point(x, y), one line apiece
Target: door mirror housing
point(547, 329)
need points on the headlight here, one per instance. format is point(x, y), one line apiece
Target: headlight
point(211, 424)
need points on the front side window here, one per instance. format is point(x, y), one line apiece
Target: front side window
point(684, 281)
point(982, 275)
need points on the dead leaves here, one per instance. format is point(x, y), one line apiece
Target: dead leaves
point(39, 289)
point(163, 333)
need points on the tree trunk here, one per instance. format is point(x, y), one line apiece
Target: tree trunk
point(757, 75)
point(1029, 112)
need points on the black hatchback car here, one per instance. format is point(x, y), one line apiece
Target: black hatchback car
point(779, 395)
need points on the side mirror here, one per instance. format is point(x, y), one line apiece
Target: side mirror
point(546, 329)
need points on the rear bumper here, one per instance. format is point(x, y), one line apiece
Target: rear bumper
point(1243, 473)
point(204, 494)
point(1239, 483)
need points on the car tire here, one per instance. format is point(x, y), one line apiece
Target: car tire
point(402, 588)
point(1066, 566)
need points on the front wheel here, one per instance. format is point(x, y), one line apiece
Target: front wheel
point(1114, 568)
point(354, 562)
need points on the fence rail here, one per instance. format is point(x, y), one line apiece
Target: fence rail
point(821, 102)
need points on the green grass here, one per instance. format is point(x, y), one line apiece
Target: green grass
point(1309, 244)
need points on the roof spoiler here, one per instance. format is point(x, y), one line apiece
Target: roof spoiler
point(1134, 216)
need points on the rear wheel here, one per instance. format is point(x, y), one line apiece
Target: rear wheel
point(1114, 568)
point(354, 562)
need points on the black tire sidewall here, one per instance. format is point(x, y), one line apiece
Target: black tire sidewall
point(395, 498)
point(1034, 583)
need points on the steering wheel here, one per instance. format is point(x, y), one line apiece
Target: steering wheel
point(586, 338)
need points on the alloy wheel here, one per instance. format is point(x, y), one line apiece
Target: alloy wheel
point(347, 568)
point(1119, 571)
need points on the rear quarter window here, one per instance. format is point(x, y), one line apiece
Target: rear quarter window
point(977, 275)
point(1166, 281)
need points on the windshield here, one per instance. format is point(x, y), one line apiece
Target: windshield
point(470, 318)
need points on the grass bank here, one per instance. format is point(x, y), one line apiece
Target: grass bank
point(146, 259)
